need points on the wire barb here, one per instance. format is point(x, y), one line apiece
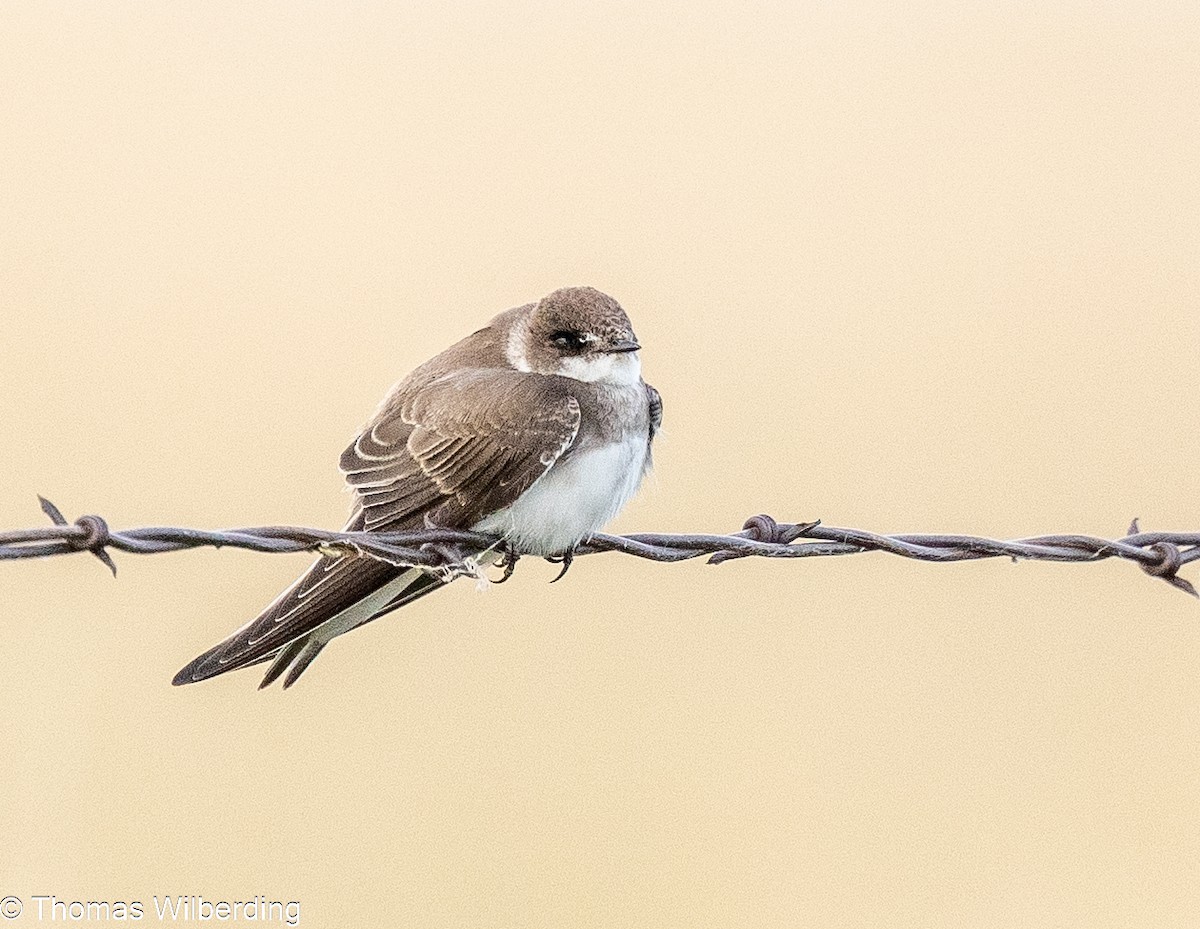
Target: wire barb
point(1166, 568)
point(95, 533)
point(1158, 554)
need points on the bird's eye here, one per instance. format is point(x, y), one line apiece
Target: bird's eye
point(568, 341)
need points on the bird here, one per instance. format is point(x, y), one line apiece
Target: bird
point(536, 430)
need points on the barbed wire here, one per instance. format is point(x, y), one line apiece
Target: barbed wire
point(1159, 554)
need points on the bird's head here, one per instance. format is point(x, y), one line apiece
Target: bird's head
point(581, 333)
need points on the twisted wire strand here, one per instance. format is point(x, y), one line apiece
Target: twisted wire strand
point(1159, 554)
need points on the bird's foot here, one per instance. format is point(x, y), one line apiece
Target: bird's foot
point(565, 560)
point(507, 562)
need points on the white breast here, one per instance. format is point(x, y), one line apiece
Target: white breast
point(573, 499)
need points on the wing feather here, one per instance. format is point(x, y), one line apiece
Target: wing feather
point(656, 410)
point(451, 450)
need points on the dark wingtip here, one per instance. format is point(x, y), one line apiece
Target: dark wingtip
point(200, 668)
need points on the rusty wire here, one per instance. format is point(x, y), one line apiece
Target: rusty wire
point(1159, 554)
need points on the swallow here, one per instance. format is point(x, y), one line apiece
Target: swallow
point(536, 429)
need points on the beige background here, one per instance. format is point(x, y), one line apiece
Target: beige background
point(907, 269)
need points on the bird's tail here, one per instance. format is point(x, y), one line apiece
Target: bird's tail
point(298, 654)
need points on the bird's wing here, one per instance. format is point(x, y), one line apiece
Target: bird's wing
point(447, 451)
point(656, 410)
point(459, 447)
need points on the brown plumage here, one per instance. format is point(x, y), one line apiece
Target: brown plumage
point(546, 388)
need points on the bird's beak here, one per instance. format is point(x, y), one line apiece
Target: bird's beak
point(623, 345)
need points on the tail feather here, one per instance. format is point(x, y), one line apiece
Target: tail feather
point(312, 648)
point(331, 599)
point(298, 654)
point(280, 661)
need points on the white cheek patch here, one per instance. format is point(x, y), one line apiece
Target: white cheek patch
point(514, 349)
point(620, 369)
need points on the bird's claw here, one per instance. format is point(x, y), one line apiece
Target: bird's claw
point(565, 560)
point(508, 562)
